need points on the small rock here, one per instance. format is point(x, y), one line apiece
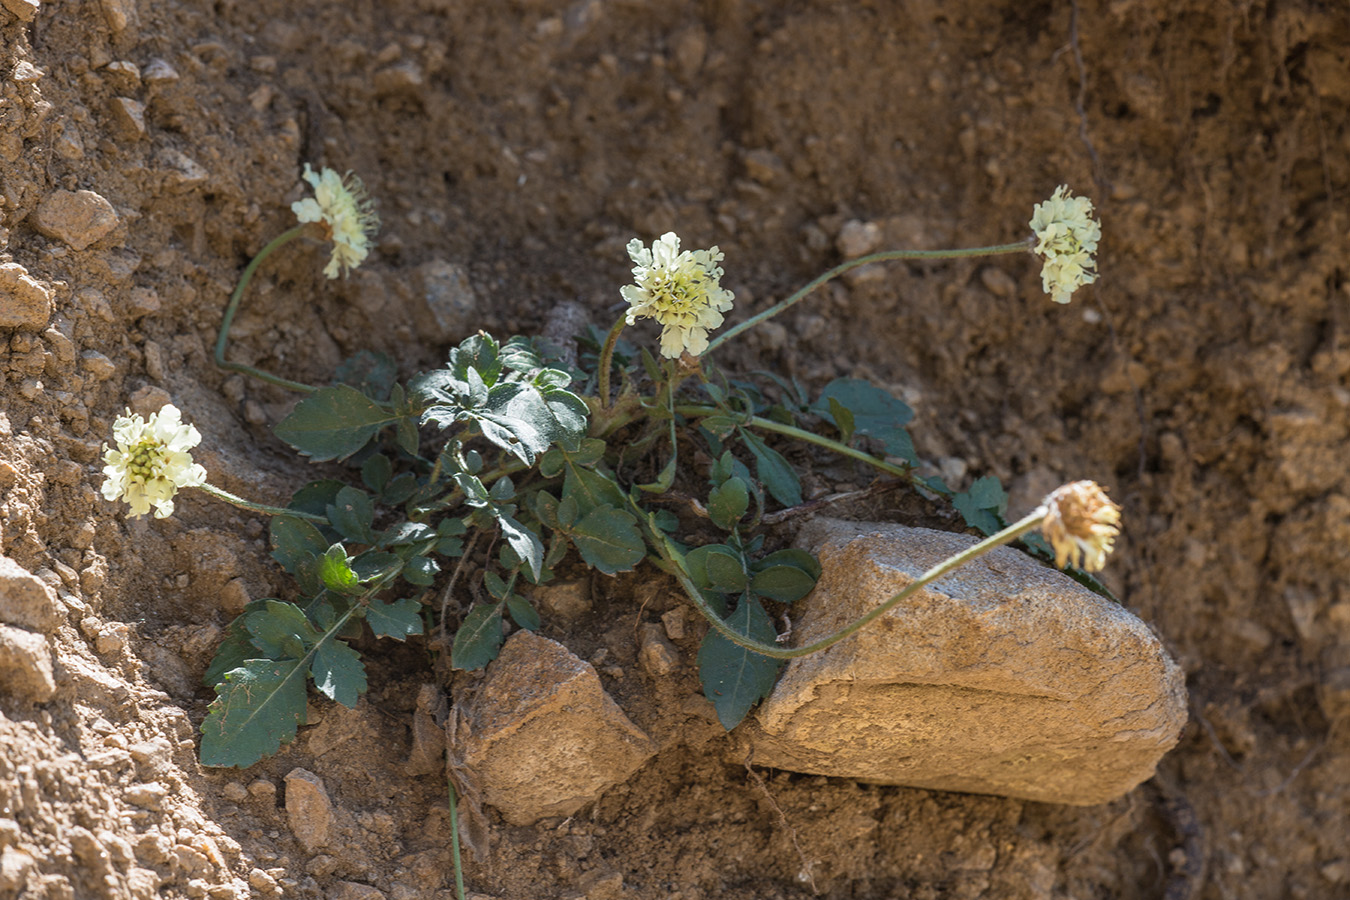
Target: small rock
point(308, 809)
point(403, 78)
point(568, 600)
point(674, 622)
point(262, 789)
point(158, 71)
point(25, 600)
point(15, 867)
point(764, 166)
point(544, 737)
point(182, 171)
point(78, 218)
point(1005, 677)
point(142, 884)
point(25, 303)
point(354, 890)
point(858, 238)
point(128, 116)
point(998, 282)
point(449, 303)
point(23, 10)
point(149, 795)
point(657, 655)
point(26, 73)
point(119, 14)
point(142, 301)
point(148, 399)
point(97, 366)
point(25, 665)
point(125, 72)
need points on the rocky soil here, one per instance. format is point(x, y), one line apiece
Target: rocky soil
point(148, 150)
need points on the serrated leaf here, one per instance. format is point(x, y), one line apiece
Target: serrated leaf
point(982, 505)
point(421, 571)
point(332, 423)
point(280, 630)
point(778, 478)
point(258, 707)
point(734, 678)
point(352, 512)
point(786, 584)
point(398, 620)
point(336, 572)
point(728, 503)
point(876, 414)
point(338, 672)
point(370, 372)
point(523, 612)
point(988, 493)
point(295, 541)
point(609, 539)
point(478, 639)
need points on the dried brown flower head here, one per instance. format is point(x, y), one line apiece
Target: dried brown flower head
point(1081, 524)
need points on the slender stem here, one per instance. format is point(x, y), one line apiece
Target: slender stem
point(236, 500)
point(840, 269)
point(607, 359)
point(454, 840)
point(233, 307)
point(676, 563)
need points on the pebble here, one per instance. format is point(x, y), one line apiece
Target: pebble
point(182, 171)
point(26, 73)
point(158, 71)
point(354, 890)
point(658, 656)
point(568, 600)
point(26, 665)
point(25, 600)
point(308, 809)
point(77, 218)
point(149, 795)
point(128, 116)
point(97, 366)
point(119, 14)
point(25, 303)
point(448, 298)
point(858, 238)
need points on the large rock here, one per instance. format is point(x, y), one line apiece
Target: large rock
point(25, 600)
point(543, 738)
point(1005, 677)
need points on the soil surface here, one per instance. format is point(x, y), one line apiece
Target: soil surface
point(514, 149)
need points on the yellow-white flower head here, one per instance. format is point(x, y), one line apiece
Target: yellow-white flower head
point(1081, 524)
point(151, 461)
point(1066, 236)
point(679, 290)
point(341, 204)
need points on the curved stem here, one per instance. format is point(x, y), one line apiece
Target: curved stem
point(607, 360)
point(676, 563)
point(840, 269)
point(236, 500)
point(233, 307)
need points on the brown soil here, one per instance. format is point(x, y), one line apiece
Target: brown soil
point(1205, 378)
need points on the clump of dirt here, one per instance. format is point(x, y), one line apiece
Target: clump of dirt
point(151, 149)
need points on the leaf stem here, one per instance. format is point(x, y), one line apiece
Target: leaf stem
point(607, 360)
point(840, 269)
point(454, 839)
point(676, 564)
point(236, 500)
point(233, 307)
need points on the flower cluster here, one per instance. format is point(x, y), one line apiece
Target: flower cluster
point(151, 461)
point(1081, 524)
point(341, 205)
point(681, 290)
point(1066, 236)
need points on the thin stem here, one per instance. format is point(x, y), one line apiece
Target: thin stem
point(236, 500)
point(607, 359)
point(454, 840)
point(233, 307)
point(676, 563)
point(840, 269)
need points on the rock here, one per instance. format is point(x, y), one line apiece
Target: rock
point(23, 10)
point(119, 14)
point(25, 665)
point(354, 890)
point(568, 600)
point(542, 736)
point(449, 304)
point(15, 867)
point(25, 600)
point(308, 809)
point(182, 172)
point(658, 656)
point(858, 238)
point(1005, 678)
point(128, 116)
point(25, 303)
point(78, 218)
point(26, 73)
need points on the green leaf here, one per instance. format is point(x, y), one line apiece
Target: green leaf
point(258, 707)
point(280, 630)
point(589, 489)
point(728, 503)
point(734, 678)
point(664, 480)
point(876, 414)
point(296, 542)
point(421, 571)
point(478, 638)
point(524, 542)
point(786, 584)
point(371, 373)
point(403, 533)
point(609, 539)
point(591, 451)
point(405, 431)
point(495, 585)
point(338, 672)
point(314, 497)
point(352, 513)
point(722, 426)
point(235, 649)
point(336, 572)
point(843, 420)
point(789, 557)
point(376, 472)
point(773, 470)
point(332, 423)
point(982, 506)
point(716, 567)
point(399, 489)
point(524, 614)
point(397, 620)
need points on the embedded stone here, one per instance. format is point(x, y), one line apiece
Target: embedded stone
point(25, 665)
point(78, 218)
point(1004, 677)
point(542, 737)
point(26, 600)
point(25, 303)
point(308, 809)
point(23, 10)
point(449, 303)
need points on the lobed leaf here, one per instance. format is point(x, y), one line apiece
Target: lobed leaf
point(332, 423)
point(398, 620)
point(258, 707)
point(338, 672)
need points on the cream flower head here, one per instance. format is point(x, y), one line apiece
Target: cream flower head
point(1081, 524)
point(341, 204)
point(1066, 236)
point(680, 290)
point(151, 461)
